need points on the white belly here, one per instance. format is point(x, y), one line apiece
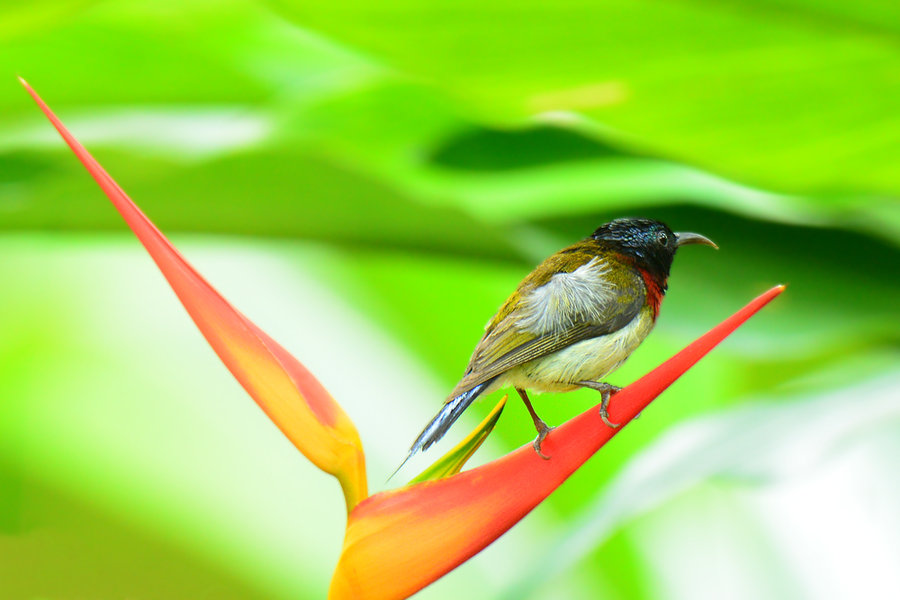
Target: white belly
point(588, 360)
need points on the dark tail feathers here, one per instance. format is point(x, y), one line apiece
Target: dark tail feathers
point(439, 425)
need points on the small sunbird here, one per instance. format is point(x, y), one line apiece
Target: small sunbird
point(573, 320)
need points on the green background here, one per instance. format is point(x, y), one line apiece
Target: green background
point(367, 182)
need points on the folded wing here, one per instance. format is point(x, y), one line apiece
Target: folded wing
point(597, 298)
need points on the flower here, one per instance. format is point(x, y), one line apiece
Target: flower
point(398, 541)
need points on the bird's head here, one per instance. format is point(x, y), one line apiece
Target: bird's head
point(650, 243)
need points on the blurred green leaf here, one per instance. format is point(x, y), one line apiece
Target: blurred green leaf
point(274, 193)
point(794, 96)
point(552, 165)
point(434, 153)
point(93, 554)
point(753, 444)
point(279, 91)
point(17, 19)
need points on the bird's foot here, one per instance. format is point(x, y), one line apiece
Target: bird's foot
point(606, 390)
point(604, 412)
point(543, 430)
point(539, 424)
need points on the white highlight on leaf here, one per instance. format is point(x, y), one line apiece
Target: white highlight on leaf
point(186, 133)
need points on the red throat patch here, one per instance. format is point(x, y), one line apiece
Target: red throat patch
point(654, 292)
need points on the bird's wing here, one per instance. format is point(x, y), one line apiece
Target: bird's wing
point(593, 300)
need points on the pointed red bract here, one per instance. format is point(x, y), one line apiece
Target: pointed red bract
point(398, 542)
point(288, 393)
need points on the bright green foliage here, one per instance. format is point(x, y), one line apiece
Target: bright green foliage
point(381, 175)
point(793, 95)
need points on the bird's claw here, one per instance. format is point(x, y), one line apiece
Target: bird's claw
point(604, 413)
point(542, 433)
point(606, 390)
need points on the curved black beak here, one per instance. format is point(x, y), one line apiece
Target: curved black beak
point(683, 238)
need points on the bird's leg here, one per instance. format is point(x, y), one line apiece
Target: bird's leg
point(539, 424)
point(606, 390)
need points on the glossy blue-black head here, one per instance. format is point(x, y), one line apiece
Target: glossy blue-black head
point(651, 243)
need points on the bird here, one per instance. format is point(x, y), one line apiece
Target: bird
point(572, 321)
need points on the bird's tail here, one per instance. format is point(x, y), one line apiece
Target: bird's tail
point(442, 421)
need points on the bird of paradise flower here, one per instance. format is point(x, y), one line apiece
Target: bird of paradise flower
point(401, 540)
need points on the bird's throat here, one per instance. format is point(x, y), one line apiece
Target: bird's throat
point(656, 289)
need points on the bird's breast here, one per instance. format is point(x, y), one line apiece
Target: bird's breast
point(587, 360)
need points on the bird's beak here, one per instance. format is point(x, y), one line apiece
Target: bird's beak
point(683, 238)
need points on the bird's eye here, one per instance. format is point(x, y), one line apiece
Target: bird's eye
point(662, 237)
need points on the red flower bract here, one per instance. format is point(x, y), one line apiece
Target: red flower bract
point(399, 541)
point(287, 392)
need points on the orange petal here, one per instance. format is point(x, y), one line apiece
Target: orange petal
point(288, 393)
point(398, 542)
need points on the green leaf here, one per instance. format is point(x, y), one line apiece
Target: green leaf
point(294, 120)
point(794, 96)
point(760, 446)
